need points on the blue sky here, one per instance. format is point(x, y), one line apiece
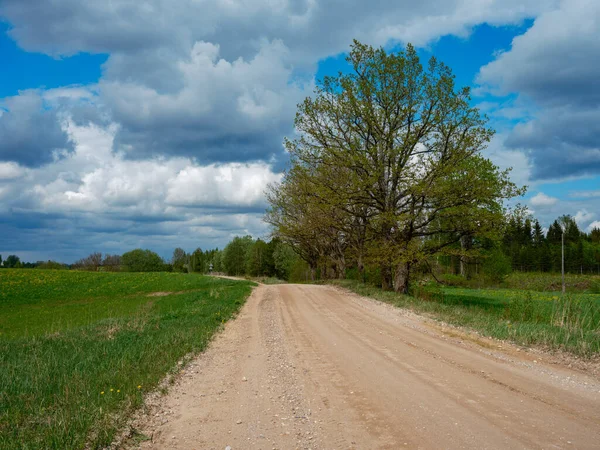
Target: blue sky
point(128, 125)
point(27, 70)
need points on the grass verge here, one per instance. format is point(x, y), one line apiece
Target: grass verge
point(545, 319)
point(78, 349)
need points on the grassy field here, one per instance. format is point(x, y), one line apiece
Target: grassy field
point(532, 281)
point(79, 349)
point(546, 319)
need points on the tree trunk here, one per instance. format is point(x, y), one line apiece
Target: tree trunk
point(465, 269)
point(401, 278)
point(361, 267)
point(341, 267)
point(386, 277)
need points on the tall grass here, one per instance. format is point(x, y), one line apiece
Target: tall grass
point(78, 350)
point(570, 323)
point(534, 281)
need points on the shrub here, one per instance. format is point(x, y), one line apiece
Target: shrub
point(139, 260)
point(497, 266)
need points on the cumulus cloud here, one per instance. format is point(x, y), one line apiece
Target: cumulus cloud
point(10, 171)
point(219, 80)
point(594, 225)
point(554, 65)
point(542, 200)
point(31, 134)
point(311, 28)
point(96, 199)
point(176, 142)
point(225, 111)
point(583, 217)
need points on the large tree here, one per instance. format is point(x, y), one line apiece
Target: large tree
point(235, 255)
point(389, 155)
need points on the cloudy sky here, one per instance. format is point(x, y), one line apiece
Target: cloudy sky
point(156, 124)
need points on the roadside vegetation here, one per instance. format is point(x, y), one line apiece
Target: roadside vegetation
point(529, 318)
point(78, 350)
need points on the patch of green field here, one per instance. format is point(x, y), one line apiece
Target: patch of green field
point(79, 349)
point(543, 281)
point(546, 319)
point(531, 281)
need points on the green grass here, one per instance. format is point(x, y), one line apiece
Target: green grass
point(267, 280)
point(531, 281)
point(546, 319)
point(79, 349)
point(541, 281)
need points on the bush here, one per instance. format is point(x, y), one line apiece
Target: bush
point(496, 266)
point(139, 260)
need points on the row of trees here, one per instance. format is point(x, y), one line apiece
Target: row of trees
point(243, 256)
point(530, 249)
point(14, 262)
point(387, 171)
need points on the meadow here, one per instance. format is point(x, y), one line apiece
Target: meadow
point(78, 350)
point(526, 317)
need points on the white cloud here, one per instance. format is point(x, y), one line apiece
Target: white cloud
point(554, 64)
point(222, 185)
point(224, 111)
point(96, 199)
point(505, 158)
point(583, 216)
point(542, 200)
point(305, 26)
point(96, 179)
point(10, 171)
point(595, 224)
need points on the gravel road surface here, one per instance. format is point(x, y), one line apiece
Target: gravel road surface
point(315, 367)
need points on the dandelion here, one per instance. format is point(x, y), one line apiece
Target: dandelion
point(139, 386)
point(102, 393)
point(118, 390)
point(111, 389)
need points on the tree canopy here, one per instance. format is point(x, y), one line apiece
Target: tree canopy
point(388, 167)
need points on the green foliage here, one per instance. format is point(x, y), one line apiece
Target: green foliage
point(259, 259)
point(139, 260)
point(78, 350)
point(12, 261)
point(235, 255)
point(497, 266)
point(284, 259)
point(180, 260)
point(530, 251)
point(387, 167)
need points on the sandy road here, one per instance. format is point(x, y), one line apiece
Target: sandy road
point(313, 367)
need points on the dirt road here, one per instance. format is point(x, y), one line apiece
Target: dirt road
point(313, 367)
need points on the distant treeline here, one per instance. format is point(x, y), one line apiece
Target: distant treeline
point(243, 256)
point(530, 249)
point(524, 247)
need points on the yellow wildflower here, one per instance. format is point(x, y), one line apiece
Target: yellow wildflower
point(102, 393)
point(139, 386)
